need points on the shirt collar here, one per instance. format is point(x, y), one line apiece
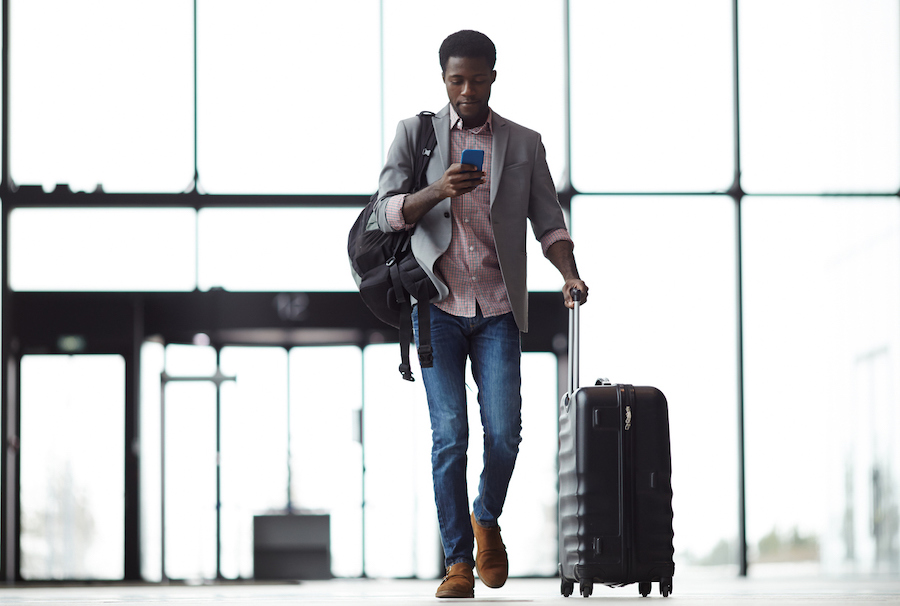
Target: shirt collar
point(457, 123)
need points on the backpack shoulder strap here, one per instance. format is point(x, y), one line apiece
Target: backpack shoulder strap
point(425, 145)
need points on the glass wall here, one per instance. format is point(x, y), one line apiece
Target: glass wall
point(819, 98)
point(635, 103)
point(822, 333)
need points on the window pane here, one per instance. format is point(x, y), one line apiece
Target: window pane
point(651, 95)
point(153, 358)
point(326, 398)
point(101, 92)
point(275, 249)
point(102, 249)
point(190, 480)
point(398, 471)
point(72, 476)
point(820, 88)
point(821, 340)
point(288, 96)
point(401, 527)
point(190, 360)
point(530, 49)
point(662, 312)
point(254, 461)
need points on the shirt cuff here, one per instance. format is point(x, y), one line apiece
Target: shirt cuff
point(394, 211)
point(552, 237)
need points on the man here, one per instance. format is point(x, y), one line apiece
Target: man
point(470, 239)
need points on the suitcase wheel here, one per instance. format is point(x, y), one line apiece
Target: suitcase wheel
point(587, 588)
point(566, 587)
point(645, 589)
point(665, 587)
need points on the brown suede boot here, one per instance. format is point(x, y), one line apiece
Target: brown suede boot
point(459, 582)
point(490, 560)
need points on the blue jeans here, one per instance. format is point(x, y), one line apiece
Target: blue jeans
point(493, 344)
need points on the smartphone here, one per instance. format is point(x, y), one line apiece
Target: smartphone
point(474, 157)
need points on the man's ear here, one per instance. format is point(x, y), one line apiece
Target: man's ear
point(493, 76)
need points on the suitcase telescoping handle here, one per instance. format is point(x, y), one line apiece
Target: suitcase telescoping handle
point(574, 345)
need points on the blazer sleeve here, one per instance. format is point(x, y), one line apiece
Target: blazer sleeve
point(543, 205)
point(396, 175)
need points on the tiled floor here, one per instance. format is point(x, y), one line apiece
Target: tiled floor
point(537, 592)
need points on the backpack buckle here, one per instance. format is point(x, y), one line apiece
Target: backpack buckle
point(426, 356)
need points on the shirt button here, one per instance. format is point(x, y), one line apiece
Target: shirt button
point(446, 215)
point(466, 220)
point(471, 248)
point(473, 278)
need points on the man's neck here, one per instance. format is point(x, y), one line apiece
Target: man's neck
point(473, 122)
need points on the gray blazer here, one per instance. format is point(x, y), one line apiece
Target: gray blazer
point(521, 188)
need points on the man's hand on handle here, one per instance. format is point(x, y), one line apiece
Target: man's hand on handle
point(567, 292)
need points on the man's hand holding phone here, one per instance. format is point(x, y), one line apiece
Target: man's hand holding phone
point(457, 180)
point(464, 177)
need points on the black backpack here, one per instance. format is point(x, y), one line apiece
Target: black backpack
point(386, 269)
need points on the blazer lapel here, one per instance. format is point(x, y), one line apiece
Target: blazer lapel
point(498, 152)
point(441, 121)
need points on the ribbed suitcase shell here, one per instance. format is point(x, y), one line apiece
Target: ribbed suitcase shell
point(615, 490)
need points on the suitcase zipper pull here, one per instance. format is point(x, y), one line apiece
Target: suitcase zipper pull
point(627, 418)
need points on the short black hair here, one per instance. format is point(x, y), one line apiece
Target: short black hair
point(468, 43)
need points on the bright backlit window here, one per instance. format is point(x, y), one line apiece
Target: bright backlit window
point(819, 96)
point(101, 93)
point(102, 249)
point(73, 514)
point(287, 95)
point(651, 91)
point(821, 340)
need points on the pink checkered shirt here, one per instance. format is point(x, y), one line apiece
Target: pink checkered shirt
point(470, 267)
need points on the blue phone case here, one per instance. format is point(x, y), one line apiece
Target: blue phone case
point(473, 156)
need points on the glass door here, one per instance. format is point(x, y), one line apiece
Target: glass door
point(72, 467)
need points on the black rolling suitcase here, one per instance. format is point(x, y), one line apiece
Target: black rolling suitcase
point(615, 490)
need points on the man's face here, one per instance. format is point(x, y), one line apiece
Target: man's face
point(468, 81)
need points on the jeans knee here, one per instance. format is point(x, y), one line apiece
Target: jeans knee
point(504, 441)
point(449, 440)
